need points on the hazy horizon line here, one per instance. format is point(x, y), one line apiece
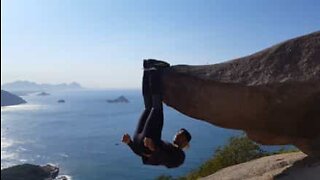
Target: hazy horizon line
point(82, 86)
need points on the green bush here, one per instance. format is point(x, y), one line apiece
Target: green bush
point(239, 149)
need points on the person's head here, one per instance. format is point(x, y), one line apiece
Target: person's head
point(182, 138)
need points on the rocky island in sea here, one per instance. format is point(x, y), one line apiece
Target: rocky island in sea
point(43, 94)
point(61, 101)
point(9, 99)
point(120, 99)
point(30, 172)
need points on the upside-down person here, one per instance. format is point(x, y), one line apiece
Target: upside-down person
point(147, 141)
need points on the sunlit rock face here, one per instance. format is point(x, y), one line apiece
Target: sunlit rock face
point(285, 166)
point(273, 95)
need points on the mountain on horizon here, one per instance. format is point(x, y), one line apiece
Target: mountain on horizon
point(32, 86)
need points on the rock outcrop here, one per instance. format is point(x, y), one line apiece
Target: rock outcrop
point(9, 99)
point(30, 172)
point(273, 95)
point(287, 166)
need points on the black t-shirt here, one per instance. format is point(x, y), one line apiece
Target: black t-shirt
point(165, 154)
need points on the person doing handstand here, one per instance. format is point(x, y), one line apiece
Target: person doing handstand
point(147, 141)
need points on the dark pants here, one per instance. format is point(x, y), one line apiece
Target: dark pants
point(151, 121)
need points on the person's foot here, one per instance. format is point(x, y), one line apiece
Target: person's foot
point(155, 68)
point(153, 63)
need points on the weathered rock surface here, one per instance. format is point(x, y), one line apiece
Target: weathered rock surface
point(273, 95)
point(30, 172)
point(9, 99)
point(289, 166)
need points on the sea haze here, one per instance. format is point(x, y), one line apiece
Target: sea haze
point(82, 136)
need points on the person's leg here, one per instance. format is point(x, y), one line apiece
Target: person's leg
point(151, 88)
point(153, 63)
point(147, 97)
point(146, 90)
point(154, 124)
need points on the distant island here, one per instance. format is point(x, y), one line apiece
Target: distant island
point(61, 101)
point(120, 99)
point(9, 99)
point(43, 94)
point(32, 86)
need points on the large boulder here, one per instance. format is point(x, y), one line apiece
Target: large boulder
point(287, 166)
point(273, 95)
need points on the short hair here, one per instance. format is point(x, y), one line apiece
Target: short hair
point(186, 133)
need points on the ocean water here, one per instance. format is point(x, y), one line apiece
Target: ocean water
point(83, 135)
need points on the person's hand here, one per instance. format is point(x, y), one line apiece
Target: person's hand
point(148, 142)
point(126, 138)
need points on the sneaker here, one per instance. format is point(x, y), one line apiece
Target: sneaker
point(153, 63)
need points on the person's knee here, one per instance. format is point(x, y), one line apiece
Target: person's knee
point(157, 111)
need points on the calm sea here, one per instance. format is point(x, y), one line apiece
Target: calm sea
point(82, 136)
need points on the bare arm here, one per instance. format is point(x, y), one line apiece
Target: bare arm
point(148, 142)
point(127, 140)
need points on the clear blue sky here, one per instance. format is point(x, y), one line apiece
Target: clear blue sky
point(101, 43)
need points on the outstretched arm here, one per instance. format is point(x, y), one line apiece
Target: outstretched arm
point(127, 140)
